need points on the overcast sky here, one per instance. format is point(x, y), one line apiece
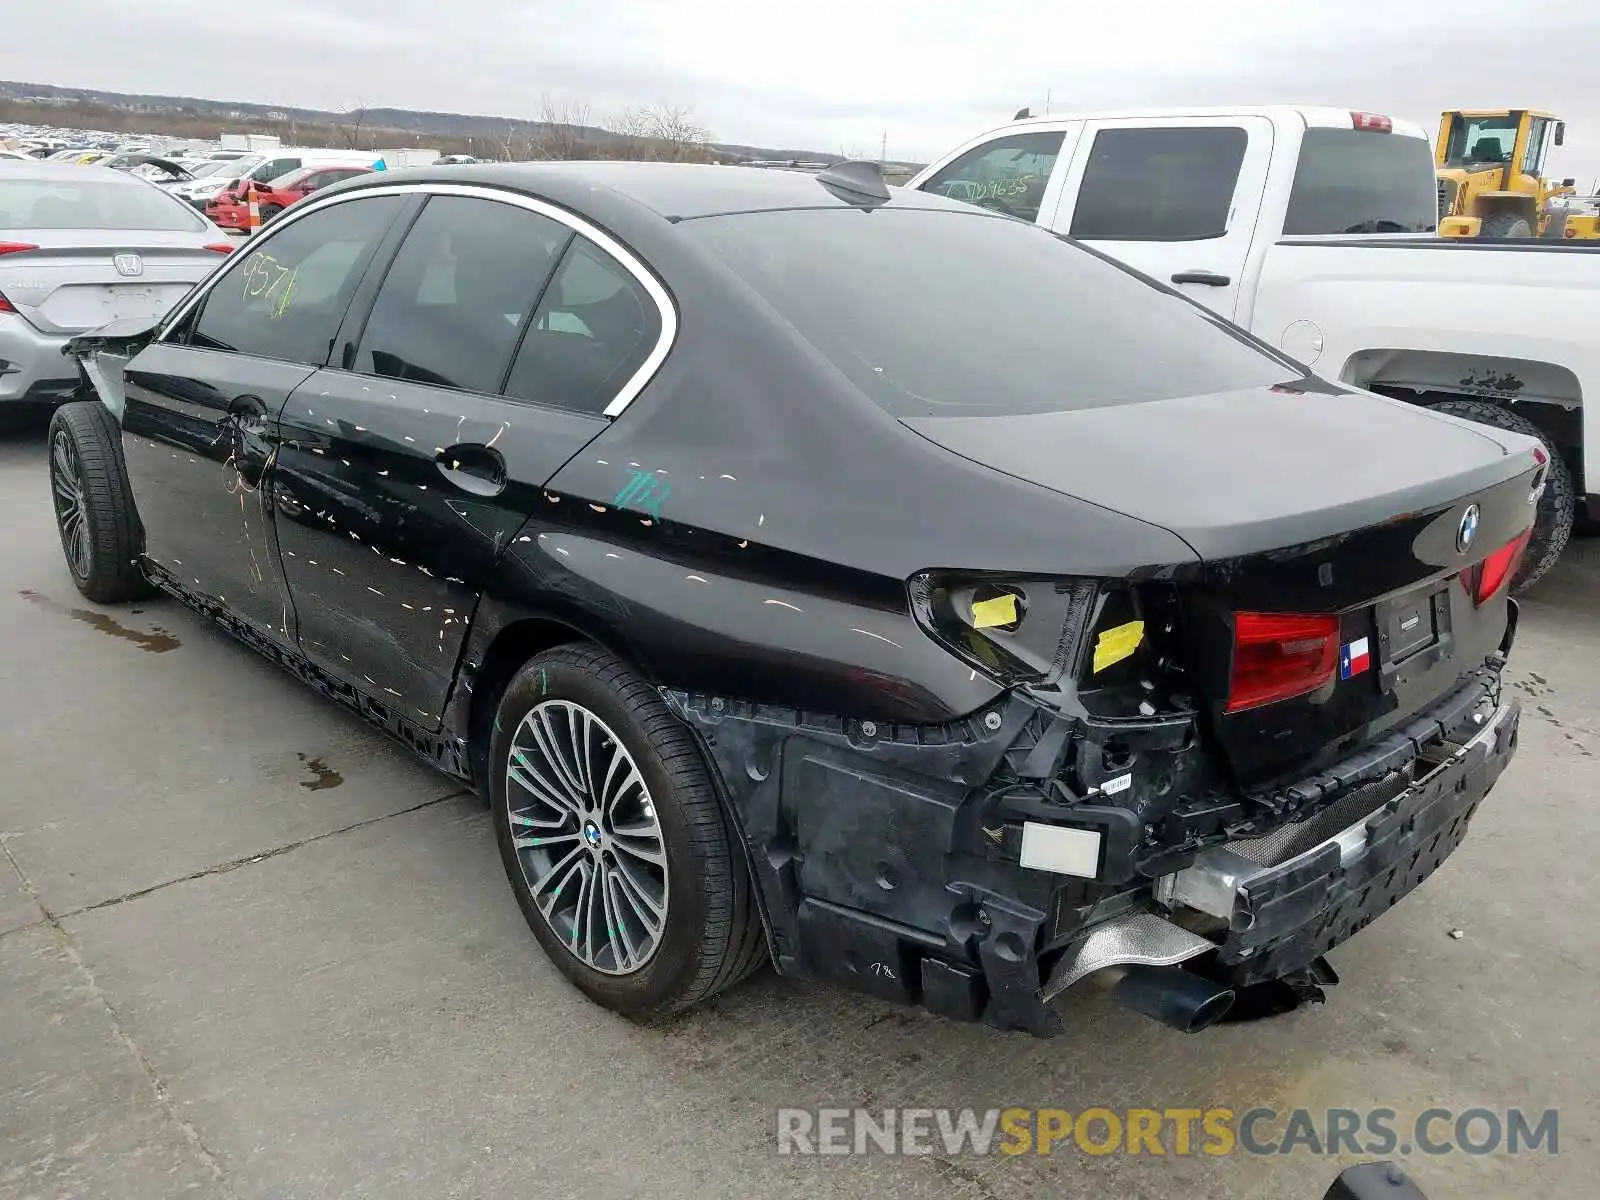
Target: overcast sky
point(831, 74)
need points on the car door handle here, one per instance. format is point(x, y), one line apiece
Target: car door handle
point(478, 470)
point(1209, 278)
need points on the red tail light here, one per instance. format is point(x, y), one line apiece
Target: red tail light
point(16, 247)
point(1484, 579)
point(1371, 122)
point(5, 305)
point(218, 247)
point(1280, 655)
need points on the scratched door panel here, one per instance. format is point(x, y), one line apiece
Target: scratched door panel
point(196, 444)
point(386, 545)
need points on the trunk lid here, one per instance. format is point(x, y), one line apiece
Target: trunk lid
point(1302, 499)
point(73, 281)
point(1245, 471)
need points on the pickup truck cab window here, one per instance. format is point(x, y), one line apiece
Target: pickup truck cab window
point(1009, 174)
point(459, 293)
point(1168, 185)
point(1350, 181)
point(1175, 197)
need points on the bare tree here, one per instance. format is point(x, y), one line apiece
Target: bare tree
point(349, 124)
point(561, 131)
point(659, 132)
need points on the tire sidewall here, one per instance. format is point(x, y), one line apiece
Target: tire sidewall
point(554, 676)
point(61, 430)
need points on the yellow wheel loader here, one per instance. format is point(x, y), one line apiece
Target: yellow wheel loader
point(1490, 168)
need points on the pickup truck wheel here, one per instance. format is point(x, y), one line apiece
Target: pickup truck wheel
point(614, 839)
point(1552, 522)
point(1505, 225)
point(99, 527)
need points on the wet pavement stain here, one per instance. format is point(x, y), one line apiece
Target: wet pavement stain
point(325, 776)
point(156, 640)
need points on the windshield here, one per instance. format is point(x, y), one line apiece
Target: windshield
point(92, 204)
point(205, 169)
point(1481, 141)
point(1353, 181)
point(945, 313)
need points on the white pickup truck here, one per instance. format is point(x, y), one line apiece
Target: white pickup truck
point(1314, 229)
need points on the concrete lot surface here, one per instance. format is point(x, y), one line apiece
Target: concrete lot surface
point(250, 949)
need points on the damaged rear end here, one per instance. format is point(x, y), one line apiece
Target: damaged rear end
point(1199, 779)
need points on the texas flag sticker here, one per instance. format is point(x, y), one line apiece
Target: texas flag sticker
point(1354, 658)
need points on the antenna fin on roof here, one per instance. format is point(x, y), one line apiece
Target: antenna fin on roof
point(1022, 114)
point(859, 183)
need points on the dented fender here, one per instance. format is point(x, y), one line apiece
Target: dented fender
point(103, 353)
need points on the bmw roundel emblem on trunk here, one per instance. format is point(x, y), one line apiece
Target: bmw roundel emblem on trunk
point(1468, 529)
point(128, 264)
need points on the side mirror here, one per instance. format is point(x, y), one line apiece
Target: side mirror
point(1561, 132)
point(1569, 183)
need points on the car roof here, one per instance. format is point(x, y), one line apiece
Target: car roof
point(676, 191)
point(69, 172)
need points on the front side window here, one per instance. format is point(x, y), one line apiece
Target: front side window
point(459, 293)
point(1159, 185)
point(595, 328)
point(285, 299)
point(1533, 156)
point(1008, 175)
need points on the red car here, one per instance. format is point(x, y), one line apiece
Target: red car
point(231, 209)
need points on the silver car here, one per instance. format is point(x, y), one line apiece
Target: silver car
point(81, 247)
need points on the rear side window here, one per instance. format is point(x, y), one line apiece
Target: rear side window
point(1353, 181)
point(93, 203)
point(1004, 318)
point(1159, 185)
point(594, 329)
point(275, 167)
point(458, 295)
point(1008, 175)
point(285, 300)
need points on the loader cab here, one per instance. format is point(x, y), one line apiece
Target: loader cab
point(1490, 166)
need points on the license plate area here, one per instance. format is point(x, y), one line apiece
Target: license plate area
point(1413, 633)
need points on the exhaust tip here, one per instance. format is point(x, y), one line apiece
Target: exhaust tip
point(1177, 998)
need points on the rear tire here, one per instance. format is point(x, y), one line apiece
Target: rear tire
point(710, 936)
point(1505, 225)
point(1553, 519)
point(100, 533)
point(268, 211)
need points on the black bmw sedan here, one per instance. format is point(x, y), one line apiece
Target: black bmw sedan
point(810, 570)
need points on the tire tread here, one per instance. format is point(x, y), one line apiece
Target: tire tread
point(116, 537)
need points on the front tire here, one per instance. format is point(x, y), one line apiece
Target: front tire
point(1553, 519)
point(613, 838)
point(100, 533)
point(268, 211)
point(1505, 225)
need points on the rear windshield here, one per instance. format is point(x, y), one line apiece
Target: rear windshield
point(1353, 181)
point(115, 203)
point(949, 313)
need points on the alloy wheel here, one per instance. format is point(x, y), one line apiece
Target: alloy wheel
point(72, 515)
point(587, 837)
